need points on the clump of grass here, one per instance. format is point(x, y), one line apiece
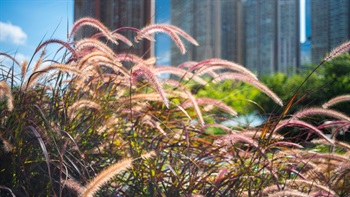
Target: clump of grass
point(67, 128)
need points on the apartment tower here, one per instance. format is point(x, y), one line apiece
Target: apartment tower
point(330, 26)
point(215, 26)
point(272, 38)
point(115, 14)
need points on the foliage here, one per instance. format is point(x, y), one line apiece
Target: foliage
point(310, 94)
point(336, 79)
point(329, 80)
point(238, 95)
point(88, 126)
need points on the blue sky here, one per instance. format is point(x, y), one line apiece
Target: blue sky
point(24, 23)
point(162, 45)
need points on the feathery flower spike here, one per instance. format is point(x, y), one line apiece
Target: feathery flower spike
point(343, 48)
point(93, 23)
point(172, 31)
point(336, 100)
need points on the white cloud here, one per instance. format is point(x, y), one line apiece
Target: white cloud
point(12, 33)
point(167, 22)
point(19, 57)
point(164, 58)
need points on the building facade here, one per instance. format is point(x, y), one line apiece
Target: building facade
point(263, 35)
point(329, 27)
point(201, 20)
point(272, 40)
point(115, 14)
point(232, 45)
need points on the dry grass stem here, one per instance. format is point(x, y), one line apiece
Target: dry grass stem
point(191, 97)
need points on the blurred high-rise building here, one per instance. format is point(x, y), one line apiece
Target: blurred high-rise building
point(272, 40)
point(260, 34)
point(232, 33)
point(115, 14)
point(214, 24)
point(201, 20)
point(330, 26)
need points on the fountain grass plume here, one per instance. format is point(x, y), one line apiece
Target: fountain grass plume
point(209, 101)
point(63, 43)
point(171, 30)
point(87, 46)
point(5, 92)
point(86, 21)
point(250, 80)
point(91, 56)
point(207, 64)
point(116, 36)
point(326, 156)
point(71, 112)
point(336, 100)
point(7, 146)
point(289, 192)
point(233, 138)
point(342, 48)
point(100, 62)
point(103, 177)
point(320, 111)
point(108, 173)
point(141, 69)
point(24, 67)
point(299, 123)
point(74, 185)
point(311, 184)
point(32, 80)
